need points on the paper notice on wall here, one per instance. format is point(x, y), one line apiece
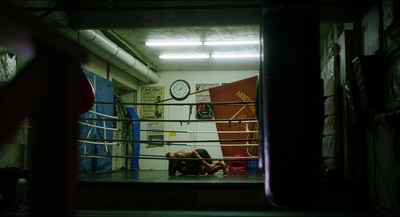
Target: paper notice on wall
point(155, 132)
point(205, 95)
point(152, 95)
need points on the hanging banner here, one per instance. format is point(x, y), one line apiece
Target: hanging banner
point(243, 90)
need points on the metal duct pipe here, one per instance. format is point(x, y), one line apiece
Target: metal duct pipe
point(99, 44)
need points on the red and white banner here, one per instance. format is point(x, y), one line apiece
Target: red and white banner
point(243, 90)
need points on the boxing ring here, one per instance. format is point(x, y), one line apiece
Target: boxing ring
point(99, 120)
point(167, 191)
point(289, 142)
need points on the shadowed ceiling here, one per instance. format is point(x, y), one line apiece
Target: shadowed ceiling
point(131, 23)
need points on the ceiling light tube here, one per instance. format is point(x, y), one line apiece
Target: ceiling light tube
point(232, 42)
point(185, 56)
point(235, 55)
point(173, 43)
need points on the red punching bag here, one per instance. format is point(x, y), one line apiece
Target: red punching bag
point(87, 97)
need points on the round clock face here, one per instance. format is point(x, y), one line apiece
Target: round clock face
point(180, 89)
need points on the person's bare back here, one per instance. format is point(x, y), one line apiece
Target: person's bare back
point(181, 164)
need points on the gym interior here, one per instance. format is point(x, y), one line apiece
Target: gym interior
point(300, 101)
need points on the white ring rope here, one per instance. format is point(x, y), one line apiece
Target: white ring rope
point(165, 158)
point(224, 131)
point(105, 135)
point(100, 127)
point(172, 141)
point(168, 131)
point(245, 120)
point(164, 143)
point(104, 115)
point(168, 144)
point(99, 143)
point(161, 103)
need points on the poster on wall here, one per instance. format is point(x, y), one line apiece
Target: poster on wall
point(153, 112)
point(152, 95)
point(204, 111)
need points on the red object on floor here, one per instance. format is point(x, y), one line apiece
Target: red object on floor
point(238, 165)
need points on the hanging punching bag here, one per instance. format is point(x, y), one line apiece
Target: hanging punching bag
point(290, 107)
point(87, 97)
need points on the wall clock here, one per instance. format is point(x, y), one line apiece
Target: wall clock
point(179, 89)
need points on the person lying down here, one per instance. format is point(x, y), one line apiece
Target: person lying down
point(193, 167)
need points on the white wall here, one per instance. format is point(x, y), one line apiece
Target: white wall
point(98, 66)
point(182, 113)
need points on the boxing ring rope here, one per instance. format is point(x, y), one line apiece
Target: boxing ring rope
point(166, 131)
point(101, 114)
point(169, 144)
point(181, 131)
point(167, 158)
point(172, 141)
point(244, 120)
point(100, 127)
point(114, 118)
point(248, 103)
point(106, 142)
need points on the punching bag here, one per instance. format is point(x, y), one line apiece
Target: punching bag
point(87, 96)
point(290, 105)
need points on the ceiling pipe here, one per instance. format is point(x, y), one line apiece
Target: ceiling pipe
point(99, 44)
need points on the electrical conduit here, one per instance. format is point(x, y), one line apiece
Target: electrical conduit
point(99, 44)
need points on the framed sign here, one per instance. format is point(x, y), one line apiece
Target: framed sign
point(204, 111)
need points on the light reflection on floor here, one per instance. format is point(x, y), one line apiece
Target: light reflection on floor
point(161, 176)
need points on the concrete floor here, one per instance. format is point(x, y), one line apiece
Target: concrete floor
point(154, 193)
point(161, 176)
point(208, 213)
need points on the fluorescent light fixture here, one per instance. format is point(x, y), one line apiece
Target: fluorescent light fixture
point(173, 43)
point(232, 42)
point(185, 56)
point(244, 55)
